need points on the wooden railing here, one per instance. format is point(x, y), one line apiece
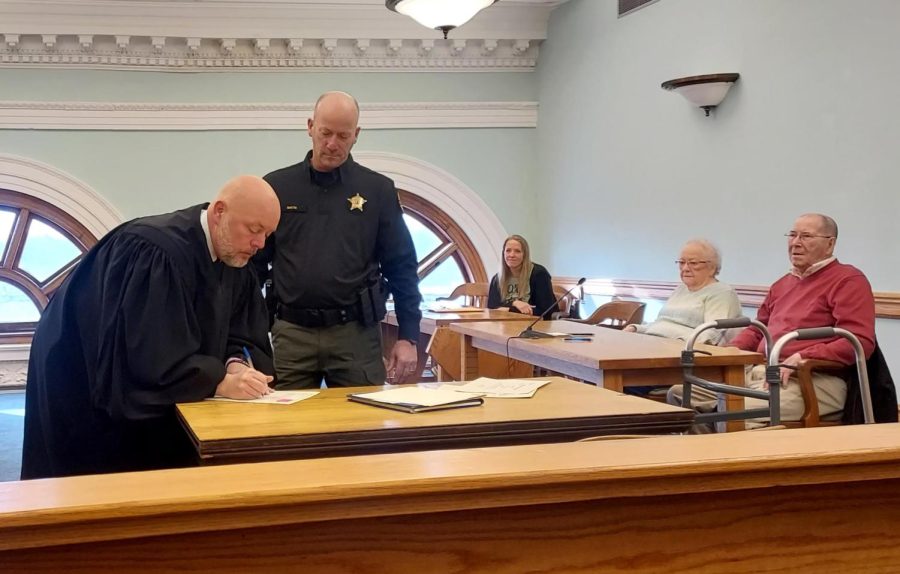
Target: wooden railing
point(887, 304)
point(676, 504)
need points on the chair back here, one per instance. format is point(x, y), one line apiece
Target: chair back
point(568, 305)
point(475, 294)
point(617, 314)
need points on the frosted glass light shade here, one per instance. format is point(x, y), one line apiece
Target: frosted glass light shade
point(705, 91)
point(705, 95)
point(439, 14)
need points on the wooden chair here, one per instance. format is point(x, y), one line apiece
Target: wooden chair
point(616, 314)
point(567, 304)
point(811, 417)
point(476, 294)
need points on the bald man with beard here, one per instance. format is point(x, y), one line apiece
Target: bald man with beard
point(158, 312)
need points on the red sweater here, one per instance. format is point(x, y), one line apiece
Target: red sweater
point(837, 295)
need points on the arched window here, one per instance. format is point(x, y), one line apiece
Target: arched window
point(39, 244)
point(447, 256)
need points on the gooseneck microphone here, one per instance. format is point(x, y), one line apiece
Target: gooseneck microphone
point(530, 333)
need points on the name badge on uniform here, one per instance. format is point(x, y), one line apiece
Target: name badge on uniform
point(356, 202)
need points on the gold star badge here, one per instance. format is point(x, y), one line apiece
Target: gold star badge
point(356, 202)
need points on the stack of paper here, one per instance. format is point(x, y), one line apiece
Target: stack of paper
point(417, 399)
point(500, 388)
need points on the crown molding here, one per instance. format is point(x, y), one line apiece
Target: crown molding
point(269, 35)
point(258, 116)
point(197, 54)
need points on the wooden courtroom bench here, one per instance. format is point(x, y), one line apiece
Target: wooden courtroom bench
point(822, 500)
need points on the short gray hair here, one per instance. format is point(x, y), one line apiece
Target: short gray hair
point(712, 252)
point(829, 225)
point(336, 93)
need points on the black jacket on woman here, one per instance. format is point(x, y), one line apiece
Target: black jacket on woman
point(542, 298)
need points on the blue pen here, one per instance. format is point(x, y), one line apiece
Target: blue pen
point(247, 357)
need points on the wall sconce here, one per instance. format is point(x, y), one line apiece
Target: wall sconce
point(705, 91)
point(443, 15)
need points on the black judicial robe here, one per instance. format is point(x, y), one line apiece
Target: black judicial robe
point(145, 320)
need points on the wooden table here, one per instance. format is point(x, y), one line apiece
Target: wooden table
point(432, 321)
point(330, 425)
point(612, 359)
point(818, 500)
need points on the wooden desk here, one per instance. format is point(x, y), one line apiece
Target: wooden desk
point(823, 500)
point(330, 425)
point(612, 359)
point(432, 321)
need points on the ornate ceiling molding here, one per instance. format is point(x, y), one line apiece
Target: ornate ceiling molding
point(218, 35)
point(217, 55)
point(258, 116)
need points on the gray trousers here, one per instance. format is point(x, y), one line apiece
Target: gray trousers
point(831, 393)
point(347, 355)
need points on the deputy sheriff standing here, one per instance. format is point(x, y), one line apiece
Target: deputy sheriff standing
point(340, 247)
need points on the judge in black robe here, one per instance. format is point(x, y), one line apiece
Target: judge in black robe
point(146, 320)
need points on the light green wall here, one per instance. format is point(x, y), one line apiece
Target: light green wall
point(251, 87)
point(149, 172)
point(810, 126)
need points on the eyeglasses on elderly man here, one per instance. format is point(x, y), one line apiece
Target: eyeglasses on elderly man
point(805, 237)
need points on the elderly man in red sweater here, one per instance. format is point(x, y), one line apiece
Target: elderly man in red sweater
point(819, 291)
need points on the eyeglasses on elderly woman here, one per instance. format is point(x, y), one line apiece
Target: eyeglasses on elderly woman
point(693, 263)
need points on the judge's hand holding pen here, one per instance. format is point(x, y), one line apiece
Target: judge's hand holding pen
point(242, 381)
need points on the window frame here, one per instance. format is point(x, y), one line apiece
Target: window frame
point(28, 208)
point(455, 243)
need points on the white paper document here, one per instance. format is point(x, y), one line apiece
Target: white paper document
point(273, 398)
point(500, 388)
point(454, 309)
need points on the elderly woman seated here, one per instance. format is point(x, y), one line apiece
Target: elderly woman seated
point(701, 297)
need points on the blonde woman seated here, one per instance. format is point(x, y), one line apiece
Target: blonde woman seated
point(522, 286)
point(700, 297)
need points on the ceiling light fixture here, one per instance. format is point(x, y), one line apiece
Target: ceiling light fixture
point(443, 15)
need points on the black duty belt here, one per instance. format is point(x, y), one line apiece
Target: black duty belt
point(317, 317)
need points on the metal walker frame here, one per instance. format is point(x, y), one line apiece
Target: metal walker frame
point(773, 371)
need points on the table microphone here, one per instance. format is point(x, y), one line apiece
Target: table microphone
point(530, 333)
